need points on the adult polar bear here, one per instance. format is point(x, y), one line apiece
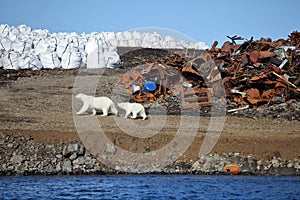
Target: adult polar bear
point(104, 104)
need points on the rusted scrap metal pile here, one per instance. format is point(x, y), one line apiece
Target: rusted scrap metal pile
point(260, 72)
point(254, 73)
point(179, 72)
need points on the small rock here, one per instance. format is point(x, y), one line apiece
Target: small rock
point(71, 148)
point(75, 167)
point(59, 156)
point(50, 146)
point(90, 163)
point(4, 166)
point(259, 162)
point(275, 162)
point(278, 100)
point(73, 156)
point(67, 166)
point(58, 167)
point(17, 159)
point(54, 160)
point(258, 168)
point(297, 165)
point(10, 145)
point(110, 148)
point(81, 150)
point(79, 161)
point(196, 165)
point(10, 167)
point(290, 165)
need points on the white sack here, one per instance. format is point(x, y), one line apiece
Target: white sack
point(123, 43)
point(154, 37)
point(119, 36)
point(114, 42)
point(95, 53)
point(35, 63)
point(156, 44)
point(127, 35)
point(95, 60)
point(92, 45)
point(50, 60)
point(39, 33)
point(11, 60)
point(5, 44)
point(82, 42)
point(24, 61)
point(4, 30)
point(41, 46)
point(137, 35)
point(25, 30)
point(71, 60)
point(52, 41)
point(109, 36)
point(21, 45)
point(1, 62)
point(62, 47)
point(132, 43)
point(30, 61)
point(112, 59)
point(83, 59)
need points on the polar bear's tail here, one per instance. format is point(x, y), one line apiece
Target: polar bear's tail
point(113, 109)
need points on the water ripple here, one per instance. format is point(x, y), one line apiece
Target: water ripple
point(149, 187)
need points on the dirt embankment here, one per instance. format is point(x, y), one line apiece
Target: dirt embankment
point(41, 106)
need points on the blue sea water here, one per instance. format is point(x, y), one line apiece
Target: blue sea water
point(149, 187)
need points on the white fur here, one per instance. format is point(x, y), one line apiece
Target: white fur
point(134, 108)
point(103, 104)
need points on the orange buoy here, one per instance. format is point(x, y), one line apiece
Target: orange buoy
point(232, 168)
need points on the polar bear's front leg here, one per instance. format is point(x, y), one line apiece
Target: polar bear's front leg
point(105, 112)
point(84, 108)
point(143, 114)
point(94, 112)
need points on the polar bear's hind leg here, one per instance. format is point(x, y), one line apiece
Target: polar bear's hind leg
point(126, 114)
point(94, 112)
point(134, 115)
point(113, 109)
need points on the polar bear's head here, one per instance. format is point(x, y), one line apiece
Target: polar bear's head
point(122, 105)
point(79, 96)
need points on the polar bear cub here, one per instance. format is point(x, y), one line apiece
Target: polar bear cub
point(103, 104)
point(134, 108)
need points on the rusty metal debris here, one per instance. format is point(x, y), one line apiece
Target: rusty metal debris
point(178, 73)
point(258, 69)
point(253, 72)
point(6, 75)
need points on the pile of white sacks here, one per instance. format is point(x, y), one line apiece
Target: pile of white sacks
point(24, 48)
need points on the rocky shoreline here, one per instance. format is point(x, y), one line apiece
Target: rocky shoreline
point(23, 156)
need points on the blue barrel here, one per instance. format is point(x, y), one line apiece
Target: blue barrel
point(149, 86)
